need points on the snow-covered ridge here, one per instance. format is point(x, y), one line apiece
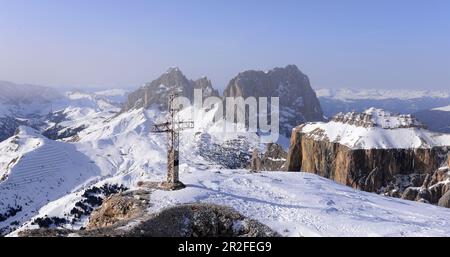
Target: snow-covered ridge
point(442, 109)
point(346, 94)
point(375, 129)
point(35, 171)
point(373, 117)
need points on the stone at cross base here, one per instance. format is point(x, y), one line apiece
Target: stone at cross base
point(255, 165)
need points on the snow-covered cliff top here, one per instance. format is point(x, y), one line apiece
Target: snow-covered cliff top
point(375, 129)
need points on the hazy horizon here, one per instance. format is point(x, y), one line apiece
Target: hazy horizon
point(117, 44)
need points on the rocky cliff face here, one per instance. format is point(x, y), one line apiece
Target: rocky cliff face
point(298, 101)
point(356, 157)
point(156, 92)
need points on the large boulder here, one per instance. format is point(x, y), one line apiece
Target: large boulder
point(445, 200)
point(424, 195)
point(410, 193)
point(117, 208)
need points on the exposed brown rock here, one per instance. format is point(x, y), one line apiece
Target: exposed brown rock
point(188, 220)
point(444, 201)
point(410, 193)
point(117, 208)
point(424, 195)
point(434, 187)
point(256, 161)
point(274, 157)
point(366, 169)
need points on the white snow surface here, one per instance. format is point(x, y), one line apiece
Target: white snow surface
point(296, 204)
point(304, 204)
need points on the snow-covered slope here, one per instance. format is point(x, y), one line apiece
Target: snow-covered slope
point(78, 111)
point(303, 204)
point(294, 204)
point(375, 129)
point(59, 115)
point(120, 150)
point(35, 171)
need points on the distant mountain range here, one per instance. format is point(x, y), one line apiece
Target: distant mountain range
point(399, 101)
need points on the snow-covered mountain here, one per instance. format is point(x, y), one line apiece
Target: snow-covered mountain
point(116, 149)
point(368, 150)
point(45, 109)
point(399, 101)
point(58, 172)
point(57, 183)
point(24, 100)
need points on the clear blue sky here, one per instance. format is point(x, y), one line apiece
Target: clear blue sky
point(338, 43)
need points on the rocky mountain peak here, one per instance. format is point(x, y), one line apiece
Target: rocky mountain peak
point(156, 93)
point(207, 89)
point(298, 101)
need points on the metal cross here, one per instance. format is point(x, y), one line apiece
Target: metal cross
point(173, 128)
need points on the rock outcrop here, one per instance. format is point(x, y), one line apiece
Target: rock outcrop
point(361, 151)
point(119, 207)
point(434, 189)
point(188, 220)
point(444, 201)
point(298, 101)
point(156, 92)
point(273, 159)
